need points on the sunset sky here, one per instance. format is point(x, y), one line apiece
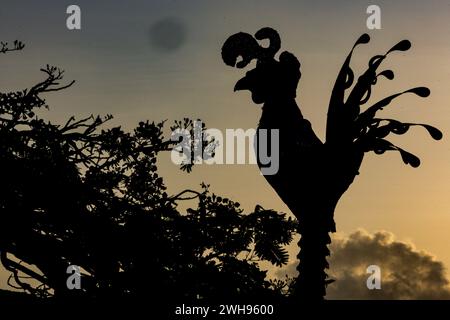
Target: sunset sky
point(124, 64)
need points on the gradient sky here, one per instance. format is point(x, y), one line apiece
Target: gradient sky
point(122, 67)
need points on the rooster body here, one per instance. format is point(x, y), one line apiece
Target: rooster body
point(313, 175)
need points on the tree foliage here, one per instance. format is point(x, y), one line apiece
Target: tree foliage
point(82, 194)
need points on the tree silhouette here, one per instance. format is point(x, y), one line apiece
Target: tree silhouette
point(82, 194)
point(313, 175)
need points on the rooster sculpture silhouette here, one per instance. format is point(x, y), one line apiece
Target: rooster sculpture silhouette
point(313, 175)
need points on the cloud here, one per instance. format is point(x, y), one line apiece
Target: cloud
point(405, 272)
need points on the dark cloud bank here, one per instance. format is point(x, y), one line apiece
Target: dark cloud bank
point(405, 272)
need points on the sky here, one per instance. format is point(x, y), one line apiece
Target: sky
point(160, 59)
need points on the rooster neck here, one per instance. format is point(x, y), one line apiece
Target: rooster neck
point(280, 113)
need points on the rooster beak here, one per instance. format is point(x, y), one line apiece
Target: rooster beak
point(242, 84)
